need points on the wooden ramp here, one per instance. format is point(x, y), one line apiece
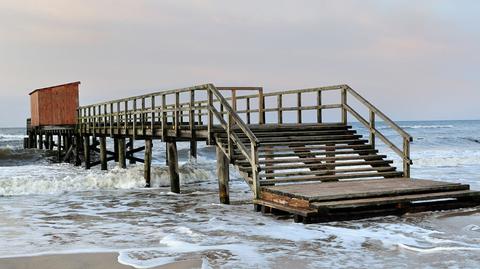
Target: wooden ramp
point(293, 161)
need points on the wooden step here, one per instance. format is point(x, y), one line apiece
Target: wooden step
point(314, 142)
point(327, 178)
point(315, 153)
point(379, 163)
point(326, 172)
point(332, 148)
point(297, 138)
point(379, 201)
point(319, 159)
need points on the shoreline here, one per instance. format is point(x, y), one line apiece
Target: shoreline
point(93, 260)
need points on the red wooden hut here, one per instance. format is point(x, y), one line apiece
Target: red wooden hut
point(55, 105)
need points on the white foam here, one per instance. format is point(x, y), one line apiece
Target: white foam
point(437, 249)
point(66, 178)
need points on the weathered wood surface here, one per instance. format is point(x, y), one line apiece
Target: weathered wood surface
point(361, 188)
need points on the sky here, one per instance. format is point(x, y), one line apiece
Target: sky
point(415, 60)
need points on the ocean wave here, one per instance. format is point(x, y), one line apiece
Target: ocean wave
point(80, 180)
point(437, 249)
point(8, 137)
point(446, 161)
point(10, 156)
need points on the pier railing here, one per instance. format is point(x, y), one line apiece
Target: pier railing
point(273, 104)
point(171, 111)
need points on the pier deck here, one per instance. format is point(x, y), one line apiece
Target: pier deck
point(294, 162)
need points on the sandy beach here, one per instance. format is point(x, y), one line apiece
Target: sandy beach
point(82, 261)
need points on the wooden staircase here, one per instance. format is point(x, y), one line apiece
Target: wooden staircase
point(318, 153)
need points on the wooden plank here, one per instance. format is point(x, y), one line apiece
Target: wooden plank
point(325, 172)
point(327, 178)
point(329, 191)
point(354, 203)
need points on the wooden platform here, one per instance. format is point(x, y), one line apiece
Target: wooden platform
point(320, 202)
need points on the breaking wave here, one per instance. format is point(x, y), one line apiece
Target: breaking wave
point(10, 156)
point(60, 181)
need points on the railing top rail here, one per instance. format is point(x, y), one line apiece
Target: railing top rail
point(384, 117)
point(306, 90)
point(158, 93)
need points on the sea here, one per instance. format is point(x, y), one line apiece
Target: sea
point(51, 208)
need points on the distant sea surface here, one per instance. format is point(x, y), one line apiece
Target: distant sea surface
point(58, 208)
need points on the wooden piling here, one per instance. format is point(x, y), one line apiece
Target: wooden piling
point(78, 145)
point(193, 150)
point(131, 147)
point(50, 142)
point(40, 141)
point(121, 153)
point(148, 162)
point(223, 175)
point(59, 147)
point(173, 166)
point(86, 151)
point(115, 149)
point(103, 152)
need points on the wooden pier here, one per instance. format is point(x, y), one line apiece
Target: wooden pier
point(294, 162)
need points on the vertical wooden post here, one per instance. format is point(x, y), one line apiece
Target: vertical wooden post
point(319, 110)
point(103, 152)
point(131, 146)
point(299, 107)
point(115, 149)
point(210, 117)
point(406, 158)
point(261, 107)
point(255, 171)
point(78, 145)
point(279, 107)
point(40, 141)
point(173, 166)
point(50, 142)
point(193, 150)
point(59, 147)
point(344, 103)
point(121, 153)
point(248, 110)
point(148, 162)
point(86, 151)
point(372, 129)
point(223, 175)
point(31, 140)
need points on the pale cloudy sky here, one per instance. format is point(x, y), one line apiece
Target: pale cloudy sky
point(413, 59)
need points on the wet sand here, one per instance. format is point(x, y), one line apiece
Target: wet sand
point(83, 261)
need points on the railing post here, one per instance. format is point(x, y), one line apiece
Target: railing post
point(142, 116)
point(344, 103)
point(191, 117)
point(229, 136)
point(134, 111)
point(280, 111)
point(210, 116)
point(111, 119)
point(126, 117)
point(406, 158)
point(261, 107)
point(152, 123)
point(248, 110)
point(255, 172)
point(234, 100)
point(299, 107)
point(372, 128)
point(164, 117)
point(319, 110)
point(177, 114)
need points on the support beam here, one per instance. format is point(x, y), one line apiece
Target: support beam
point(121, 153)
point(172, 157)
point(103, 152)
point(86, 151)
point(78, 145)
point(148, 162)
point(115, 149)
point(223, 175)
point(50, 142)
point(130, 148)
point(59, 147)
point(40, 141)
point(193, 150)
